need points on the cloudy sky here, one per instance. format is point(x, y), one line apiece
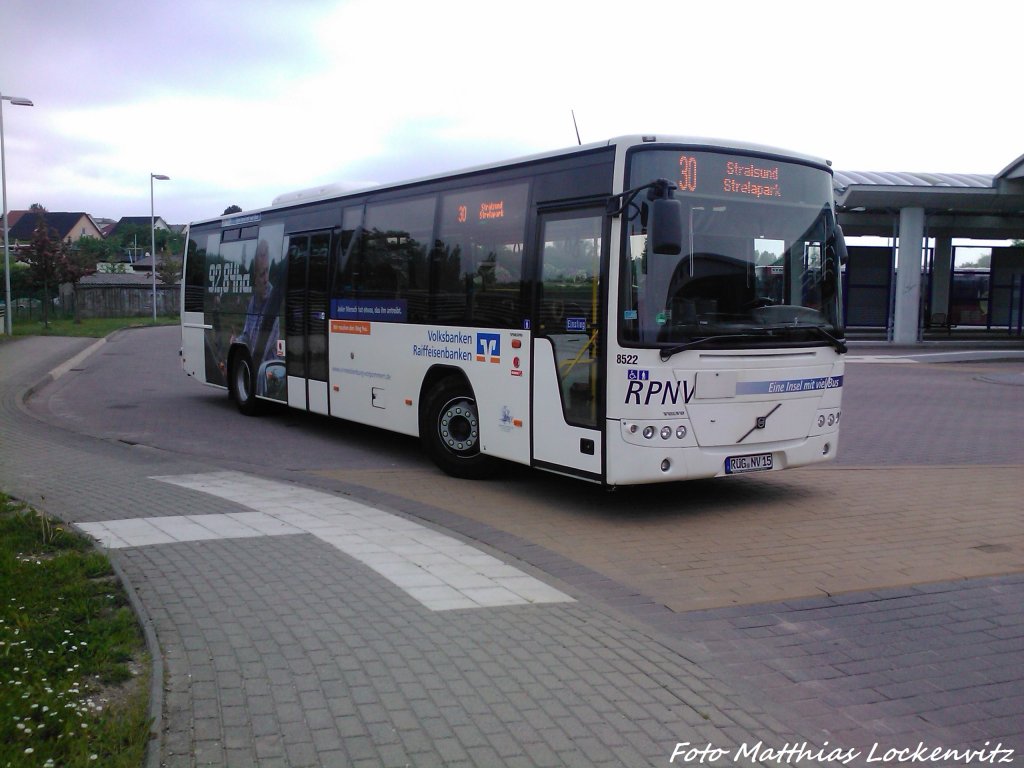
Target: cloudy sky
point(240, 101)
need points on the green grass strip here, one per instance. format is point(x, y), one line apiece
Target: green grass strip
point(73, 669)
point(95, 327)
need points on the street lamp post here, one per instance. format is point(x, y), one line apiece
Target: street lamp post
point(18, 102)
point(152, 232)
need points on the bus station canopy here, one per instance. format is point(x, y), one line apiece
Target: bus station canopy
point(967, 205)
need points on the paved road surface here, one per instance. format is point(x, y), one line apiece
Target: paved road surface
point(874, 600)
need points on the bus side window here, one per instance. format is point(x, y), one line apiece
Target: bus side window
point(447, 291)
point(476, 264)
point(345, 254)
point(195, 277)
point(570, 273)
point(392, 254)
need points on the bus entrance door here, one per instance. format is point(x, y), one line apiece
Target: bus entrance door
point(306, 313)
point(567, 408)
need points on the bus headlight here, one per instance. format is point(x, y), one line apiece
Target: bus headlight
point(674, 433)
point(826, 421)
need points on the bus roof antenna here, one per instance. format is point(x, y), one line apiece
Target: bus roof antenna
point(573, 111)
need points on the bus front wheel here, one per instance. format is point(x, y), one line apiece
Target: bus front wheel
point(450, 430)
point(242, 384)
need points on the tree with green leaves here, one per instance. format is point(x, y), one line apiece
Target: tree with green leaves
point(982, 262)
point(169, 270)
point(44, 258)
point(231, 209)
point(98, 250)
point(169, 242)
point(21, 281)
point(131, 237)
point(169, 245)
point(52, 261)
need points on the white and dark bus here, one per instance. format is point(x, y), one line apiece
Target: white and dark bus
point(643, 310)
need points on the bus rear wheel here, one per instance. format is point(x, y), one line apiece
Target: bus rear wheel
point(450, 430)
point(242, 384)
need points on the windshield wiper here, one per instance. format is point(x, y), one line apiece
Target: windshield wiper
point(839, 344)
point(668, 352)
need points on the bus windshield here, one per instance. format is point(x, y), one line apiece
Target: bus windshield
point(758, 263)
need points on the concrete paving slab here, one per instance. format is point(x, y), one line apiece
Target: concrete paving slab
point(859, 604)
point(393, 548)
point(772, 537)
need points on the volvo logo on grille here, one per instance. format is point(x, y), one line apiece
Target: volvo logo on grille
point(760, 422)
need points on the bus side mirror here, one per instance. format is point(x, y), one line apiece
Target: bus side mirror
point(665, 230)
point(835, 256)
point(841, 253)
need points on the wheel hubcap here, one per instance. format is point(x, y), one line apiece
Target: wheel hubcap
point(459, 426)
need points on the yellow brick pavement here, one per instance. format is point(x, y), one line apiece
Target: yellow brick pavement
point(772, 537)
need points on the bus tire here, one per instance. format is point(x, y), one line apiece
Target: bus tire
point(242, 384)
point(450, 430)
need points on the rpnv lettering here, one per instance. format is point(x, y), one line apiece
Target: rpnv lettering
point(639, 392)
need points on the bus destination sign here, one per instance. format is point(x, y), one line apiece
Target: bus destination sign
point(733, 177)
point(495, 207)
point(488, 210)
